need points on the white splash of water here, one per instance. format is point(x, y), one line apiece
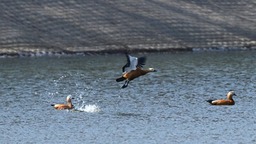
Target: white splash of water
point(88, 108)
point(84, 107)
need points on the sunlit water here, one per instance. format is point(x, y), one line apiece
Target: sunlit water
point(164, 107)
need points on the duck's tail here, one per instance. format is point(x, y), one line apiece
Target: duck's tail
point(52, 104)
point(210, 101)
point(120, 79)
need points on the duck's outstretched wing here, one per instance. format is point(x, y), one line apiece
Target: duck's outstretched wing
point(133, 63)
point(127, 65)
point(141, 61)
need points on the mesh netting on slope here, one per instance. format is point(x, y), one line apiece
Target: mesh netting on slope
point(99, 25)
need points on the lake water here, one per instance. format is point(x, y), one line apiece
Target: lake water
point(164, 107)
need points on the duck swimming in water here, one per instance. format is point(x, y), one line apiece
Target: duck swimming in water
point(68, 105)
point(228, 101)
point(133, 69)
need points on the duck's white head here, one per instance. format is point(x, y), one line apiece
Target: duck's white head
point(69, 97)
point(152, 69)
point(230, 94)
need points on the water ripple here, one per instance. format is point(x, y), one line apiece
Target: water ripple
point(163, 107)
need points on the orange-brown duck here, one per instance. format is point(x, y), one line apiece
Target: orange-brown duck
point(68, 105)
point(228, 101)
point(133, 69)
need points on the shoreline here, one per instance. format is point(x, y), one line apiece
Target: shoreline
point(36, 53)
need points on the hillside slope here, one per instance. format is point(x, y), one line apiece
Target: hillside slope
point(37, 26)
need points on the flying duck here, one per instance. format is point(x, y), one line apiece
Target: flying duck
point(133, 69)
point(228, 101)
point(68, 105)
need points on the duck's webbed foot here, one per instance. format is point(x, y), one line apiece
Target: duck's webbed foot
point(125, 84)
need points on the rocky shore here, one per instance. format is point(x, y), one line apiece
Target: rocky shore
point(79, 27)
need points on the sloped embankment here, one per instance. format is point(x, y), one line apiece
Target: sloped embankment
point(71, 26)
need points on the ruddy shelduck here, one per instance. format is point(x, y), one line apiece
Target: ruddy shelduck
point(228, 101)
point(133, 69)
point(68, 105)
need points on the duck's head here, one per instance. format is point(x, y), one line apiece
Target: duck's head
point(231, 94)
point(152, 70)
point(69, 97)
